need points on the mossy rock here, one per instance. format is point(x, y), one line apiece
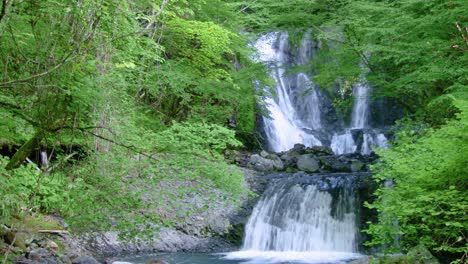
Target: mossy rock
point(422, 254)
point(417, 255)
point(235, 235)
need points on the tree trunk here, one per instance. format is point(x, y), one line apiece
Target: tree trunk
point(24, 152)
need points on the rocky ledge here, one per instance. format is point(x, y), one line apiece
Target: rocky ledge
point(301, 158)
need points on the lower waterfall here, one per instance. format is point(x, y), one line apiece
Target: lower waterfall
point(313, 221)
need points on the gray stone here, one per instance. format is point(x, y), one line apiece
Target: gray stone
point(363, 260)
point(308, 163)
point(50, 245)
point(264, 154)
point(319, 150)
point(299, 148)
point(156, 261)
point(335, 164)
point(357, 165)
point(85, 260)
point(65, 259)
point(39, 254)
point(263, 164)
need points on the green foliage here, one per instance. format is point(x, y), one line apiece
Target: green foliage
point(197, 138)
point(140, 89)
point(413, 48)
point(81, 195)
point(266, 15)
point(428, 202)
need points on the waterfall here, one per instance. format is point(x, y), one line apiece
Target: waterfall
point(361, 106)
point(299, 218)
point(345, 143)
point(293, 104)
point(311, 222)
point(315, 221)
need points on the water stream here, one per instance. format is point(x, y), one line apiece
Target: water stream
point(312, 222)
point(315, 221)
point(295, 104)
point(293, 112)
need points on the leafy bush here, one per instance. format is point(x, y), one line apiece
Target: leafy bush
point(428, 202)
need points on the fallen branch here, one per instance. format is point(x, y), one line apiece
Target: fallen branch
point(56, 232)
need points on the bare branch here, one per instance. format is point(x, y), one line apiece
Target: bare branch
point(129, 147)
point(463, 35)
point(246, 7)
point(39, 74)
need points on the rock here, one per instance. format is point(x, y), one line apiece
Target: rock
point(263, 164)
point(357, 165)
point(39, 254)
point(336, 164)
point(299, 148)
point(65, 259)
point(289, 161)
point(308, 163)
point(421, 254)
point(319, 151)
point(155, 261)
point(364, 260)
point(264, 154)
point(85, 260)
point(20, 241)
point(50, 245)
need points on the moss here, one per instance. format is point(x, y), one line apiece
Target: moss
point(235, 235)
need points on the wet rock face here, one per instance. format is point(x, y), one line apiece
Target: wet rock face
point(300, 158)
point(308, 163)
point(268, 162)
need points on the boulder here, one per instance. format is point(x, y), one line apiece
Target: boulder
point(266, 164)
point(421, 254)
point(319, 151)
point(50, 245)
point(308, 163)
point(363, 260)
point(85, 260)
point(156, 261)
point(38, 254)
point(335, 164)
point(299, 148)
point(357, 165)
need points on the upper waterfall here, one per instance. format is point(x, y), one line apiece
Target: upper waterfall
point(293, 104)
point(297, 108)
point(361, 105)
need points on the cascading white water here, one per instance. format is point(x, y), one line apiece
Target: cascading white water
point(286, 125)
point(361, 106)
point(305, 223)
point(344, 143)
point(299, 218)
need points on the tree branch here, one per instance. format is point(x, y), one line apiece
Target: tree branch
point(129, 147)
point(246, 7)
point(5, 4)
point(39, 74)
point(148, 27)
point(16, 110)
